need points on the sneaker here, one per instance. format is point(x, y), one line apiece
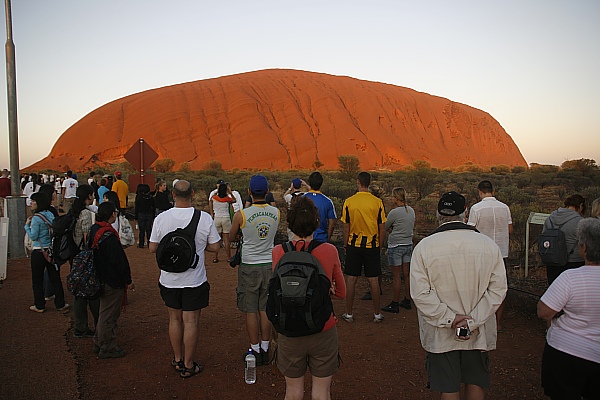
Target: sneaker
point(114, 353)
point(393, 307)
point(378, 318)
point(35, 309)
point(405, 304)
point(87, 334)
point(258, 356)
point(64, 308)
point(49, 298)
point(347, 318)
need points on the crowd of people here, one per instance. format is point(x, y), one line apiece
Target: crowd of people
point(456, 277)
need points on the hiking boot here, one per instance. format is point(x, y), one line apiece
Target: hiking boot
point(405, 304)
point(378, 318)
point(114, 353)
point(347, 318)
point(393, 307)
point(38, 310)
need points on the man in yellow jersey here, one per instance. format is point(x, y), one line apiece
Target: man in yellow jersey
point(364, 219)
point(122, 189)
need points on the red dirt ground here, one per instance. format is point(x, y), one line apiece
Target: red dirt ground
point(40, 359)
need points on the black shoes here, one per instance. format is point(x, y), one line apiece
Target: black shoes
point(405, 304)
point(114, 353)
point(393, 307)
point(89, 333)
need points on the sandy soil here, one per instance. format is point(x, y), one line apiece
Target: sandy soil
point(40, 358)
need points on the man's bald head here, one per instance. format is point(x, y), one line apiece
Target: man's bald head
point(183, 189)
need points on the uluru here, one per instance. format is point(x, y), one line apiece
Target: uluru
point(282, 119)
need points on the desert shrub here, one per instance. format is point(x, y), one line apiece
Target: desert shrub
point(585, 166)
point(518, 169)
point(213, 166)
point(349, 165)
point(185, 167)
point(500, 169)
point(543, 168)
point(421, 178)
point(164, 165)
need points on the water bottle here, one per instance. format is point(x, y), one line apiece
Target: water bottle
point(250, 373)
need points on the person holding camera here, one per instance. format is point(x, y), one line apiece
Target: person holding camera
point(457, 282)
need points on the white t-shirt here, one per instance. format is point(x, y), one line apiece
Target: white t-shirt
point(237, 206)
point(577, 331)
point(492, 217)
point(70, 186)
point(206, 233)
point(28, 190)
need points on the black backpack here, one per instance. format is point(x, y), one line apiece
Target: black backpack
point(299, 302)
point(552, 246)
point(63, 245)
point(177, 250)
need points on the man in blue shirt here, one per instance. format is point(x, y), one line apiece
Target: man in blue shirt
point(327, 215)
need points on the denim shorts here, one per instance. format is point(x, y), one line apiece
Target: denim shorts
point(399, 254)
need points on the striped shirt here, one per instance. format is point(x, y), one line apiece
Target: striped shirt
point(577, 331)
point(364, 212)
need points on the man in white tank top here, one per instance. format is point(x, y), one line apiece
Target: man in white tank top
point(258, 224)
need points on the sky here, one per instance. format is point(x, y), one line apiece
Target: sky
point(533, 65)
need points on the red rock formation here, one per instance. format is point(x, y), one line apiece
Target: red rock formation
point(282, 119)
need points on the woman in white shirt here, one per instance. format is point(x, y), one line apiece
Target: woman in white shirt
point(571, 359)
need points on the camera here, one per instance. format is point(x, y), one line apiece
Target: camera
point(463, 332)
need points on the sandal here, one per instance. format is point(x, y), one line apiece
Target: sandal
point(189, 372)
point(178, 365)
point(215, 260)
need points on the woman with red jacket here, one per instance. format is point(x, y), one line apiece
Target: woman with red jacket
point(318, 352)
point(113, 269)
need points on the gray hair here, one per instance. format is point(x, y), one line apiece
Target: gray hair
point(588, 233)
point(183, 189)
point(442, 219)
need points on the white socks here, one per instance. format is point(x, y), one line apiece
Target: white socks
point(264, 345)
point(255, 347)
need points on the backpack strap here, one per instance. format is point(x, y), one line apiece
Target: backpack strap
point(192, 227)
point(43, 217)
point(552, 226)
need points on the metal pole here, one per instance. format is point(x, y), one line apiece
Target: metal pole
point(15, 203)
point(11, 83)
point(141, 160)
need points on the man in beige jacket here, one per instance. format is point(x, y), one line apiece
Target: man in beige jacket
point(457, 280)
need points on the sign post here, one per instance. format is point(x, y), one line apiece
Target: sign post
point(534, 218)
point(141, 156)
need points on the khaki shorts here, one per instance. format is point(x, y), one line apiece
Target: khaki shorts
point(447, 371)
point(223, 224)
point(253, 287)
point(318, 352)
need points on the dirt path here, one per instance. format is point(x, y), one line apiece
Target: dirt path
point(40, 359)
